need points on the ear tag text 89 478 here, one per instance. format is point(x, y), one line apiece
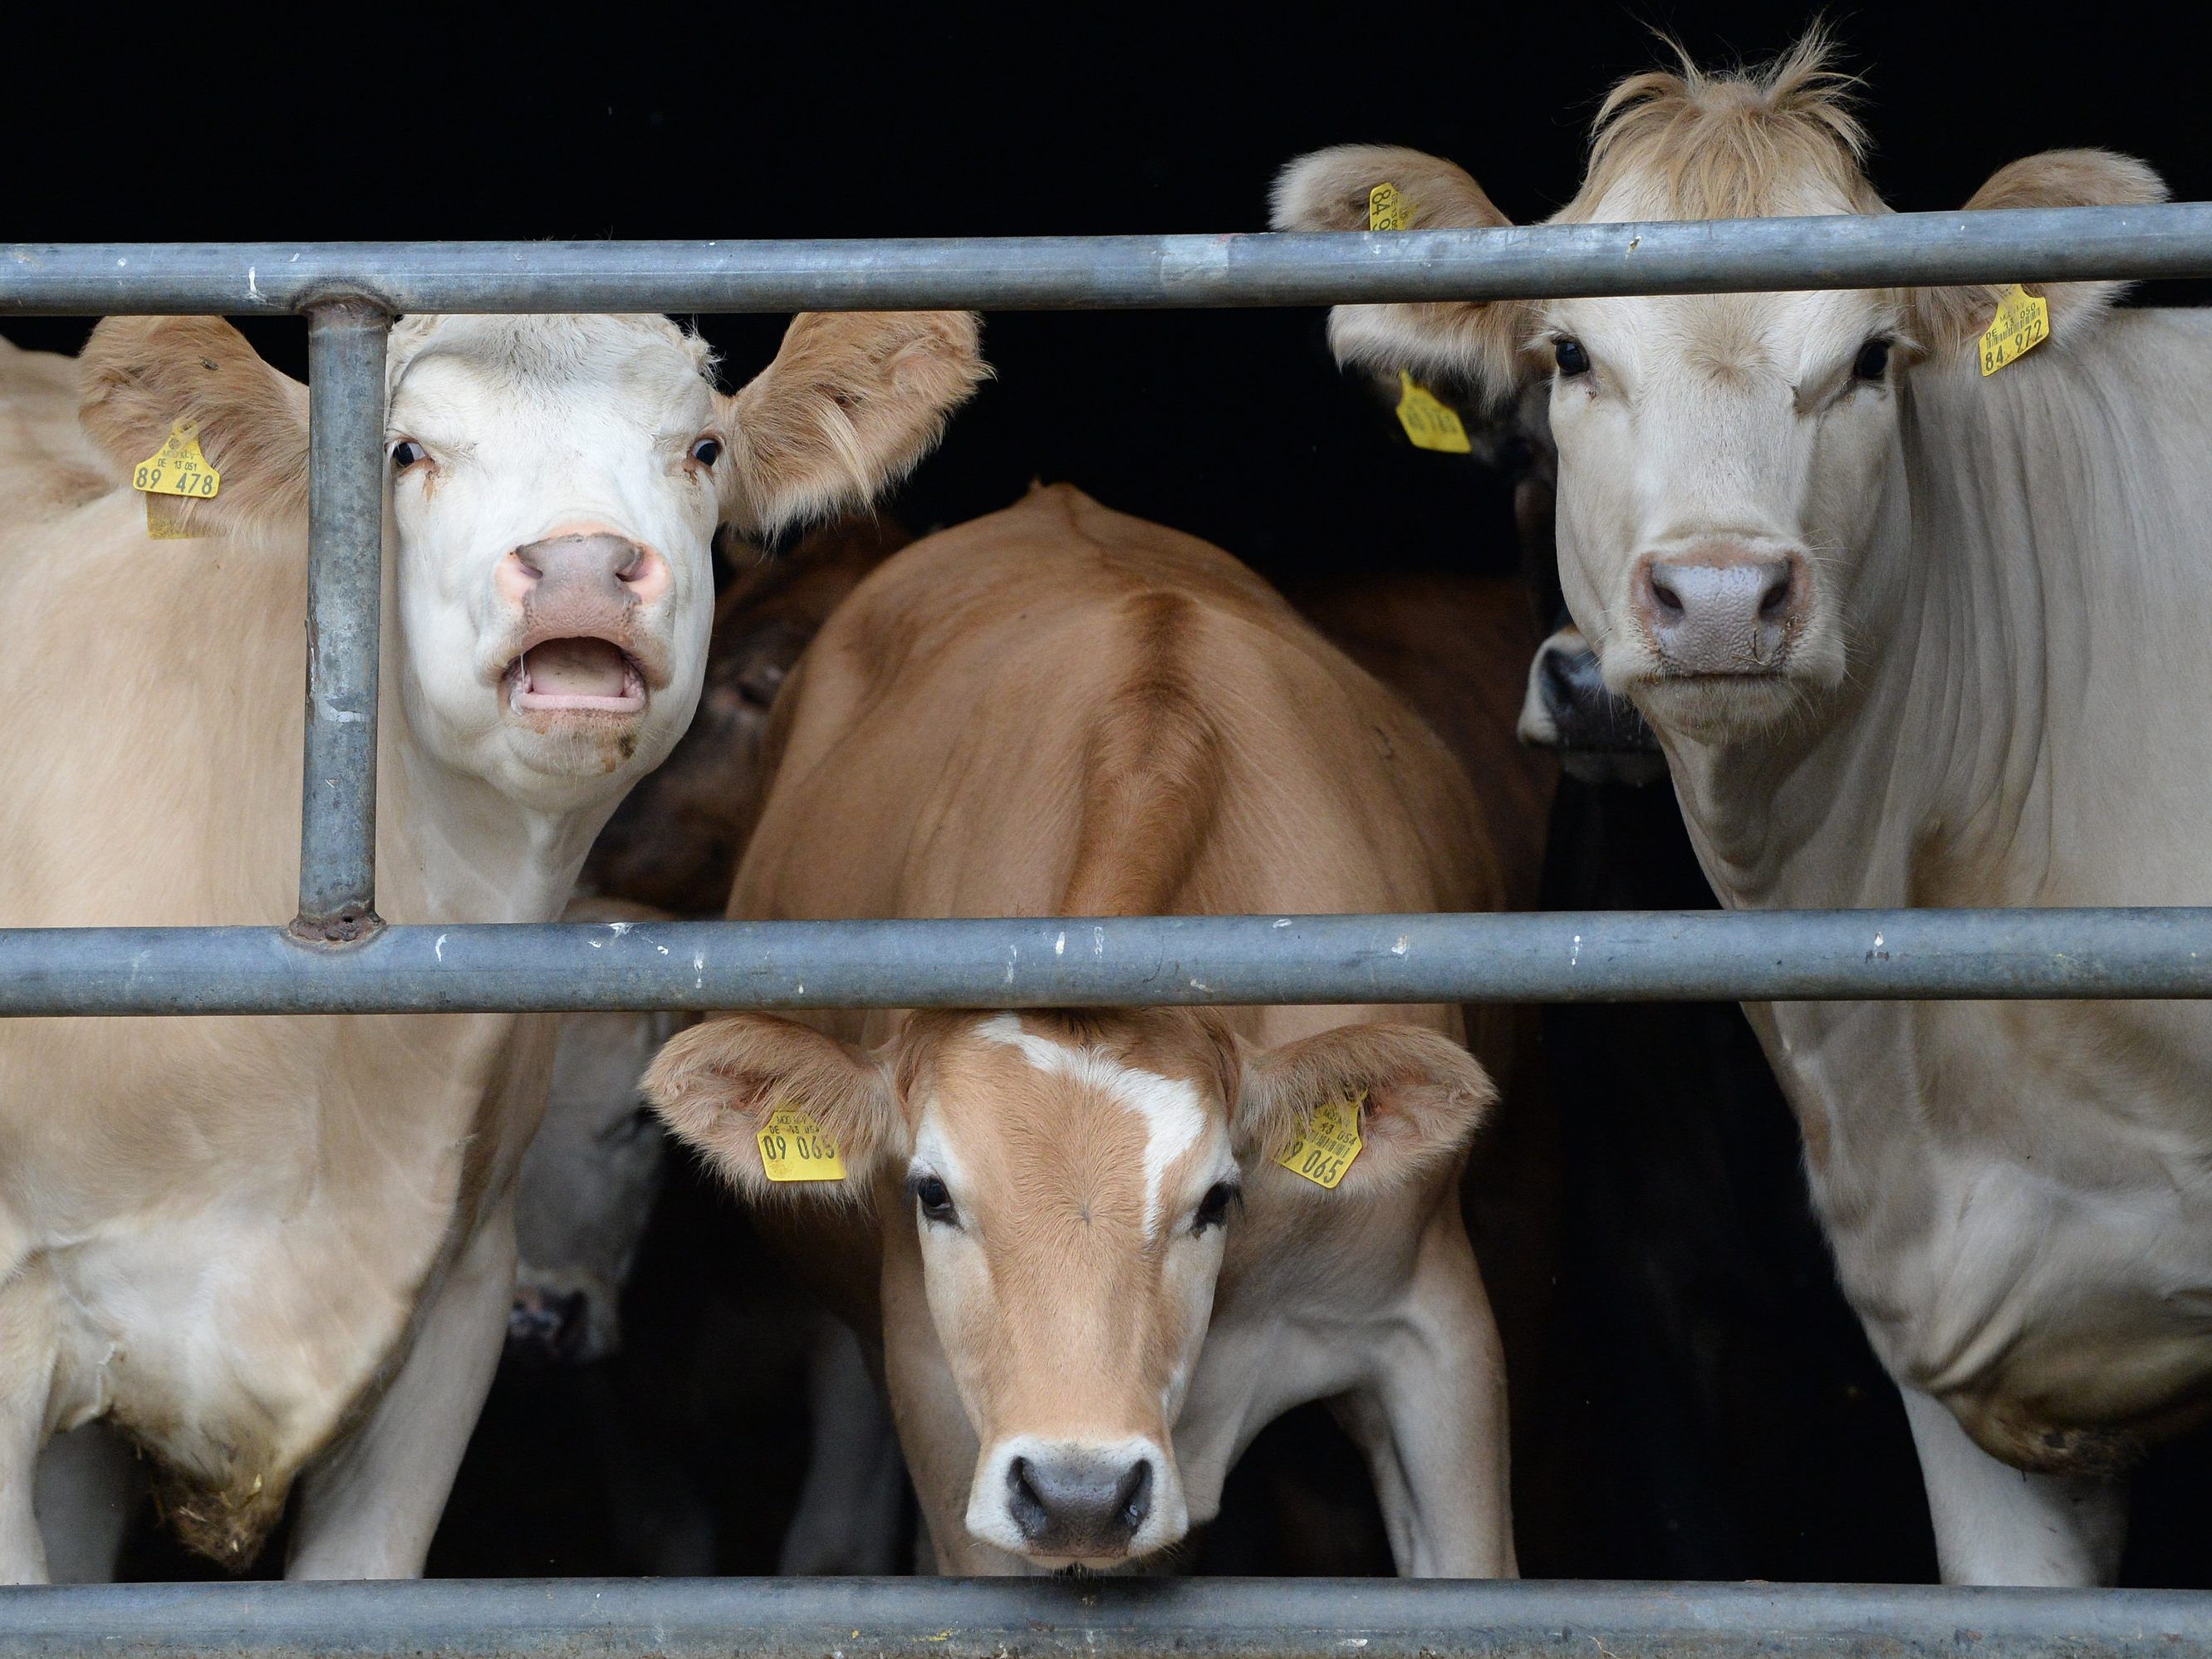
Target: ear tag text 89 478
point(2022, 322)
point(1327, 1143)
point(794, 1148)
point(1430, 422)
point(177, 468)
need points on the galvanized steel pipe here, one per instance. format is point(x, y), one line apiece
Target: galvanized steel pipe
point(1597, 957)
point(1092, 1619)
point(346, 343)
point(1018, 273)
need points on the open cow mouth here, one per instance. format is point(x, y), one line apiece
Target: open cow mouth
point(579, 676)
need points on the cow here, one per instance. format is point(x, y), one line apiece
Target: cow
point(280, 1251)
point(1065, 1234)
point(1913, 615)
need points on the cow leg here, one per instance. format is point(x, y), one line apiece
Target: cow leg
point(850, 1510)
point(369, 1504)
point(1996, 1524)
point(87, 1484)
point(1432, 1420)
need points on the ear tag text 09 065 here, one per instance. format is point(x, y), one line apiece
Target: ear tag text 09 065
point(2023, 321)
point(794, 1148)
point(1327, 1143)
point(1430, 422)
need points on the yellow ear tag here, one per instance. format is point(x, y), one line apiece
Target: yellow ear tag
point(794, 1148)
point(1327, 1143)
point(2023, 320)
point(1429, 420)
point(177, 468)
point(1385, 209)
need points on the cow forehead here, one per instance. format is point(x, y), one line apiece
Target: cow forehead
point(1098, 1121)
point(637, 369)
point(1788, 335)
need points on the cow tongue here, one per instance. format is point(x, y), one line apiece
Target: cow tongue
point(575, 668)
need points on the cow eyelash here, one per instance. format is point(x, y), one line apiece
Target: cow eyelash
point(935, 1198)
point(1213, 1209)
point(406, 452)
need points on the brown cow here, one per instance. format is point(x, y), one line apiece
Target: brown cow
point(1060, 710)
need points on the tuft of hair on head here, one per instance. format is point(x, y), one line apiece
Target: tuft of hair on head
point(1695, 143)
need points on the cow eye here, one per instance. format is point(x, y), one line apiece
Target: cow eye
point(1872, 361)
point(707, 450)
point(406, 453)
point(1213, 1208)
point(630, 1125)
point(1571, 357)
point(936, 1200)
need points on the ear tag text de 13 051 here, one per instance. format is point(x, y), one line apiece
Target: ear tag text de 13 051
point(794, 1148)
point(2022, 322)
point(1327, 1143)
point(1430, 422)
point(176, 469)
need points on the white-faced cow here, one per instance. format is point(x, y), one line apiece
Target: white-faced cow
point(1910, 634)
point(1066, 1233)
point(282, 1249)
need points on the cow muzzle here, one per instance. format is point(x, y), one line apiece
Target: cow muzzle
point(1722, 608)
point(1599, 737)
point(1074, 1503)
point(583, 654)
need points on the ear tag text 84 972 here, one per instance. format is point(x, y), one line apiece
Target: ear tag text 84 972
point(1327, 1143)
point(1430, 422)
point(794, 1148)
point(2023, 321)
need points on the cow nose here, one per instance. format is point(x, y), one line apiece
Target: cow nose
point(1722, 610)
point(585, 572)
point(543, 1327)
point(1569, 708)
point(1076, 1502)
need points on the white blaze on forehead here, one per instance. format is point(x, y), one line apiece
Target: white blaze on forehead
point(1174, 1119)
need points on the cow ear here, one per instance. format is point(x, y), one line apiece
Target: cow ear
point(1480, 341)
point(139, 377)
point(718, 1085)
point(852, 401)
point(1424, 1097)
point(1947, 319)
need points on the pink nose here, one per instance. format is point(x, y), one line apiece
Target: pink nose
point(1723, 608)
point(585, 576)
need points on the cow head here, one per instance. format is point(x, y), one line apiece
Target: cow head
point(554, 486)
point(1070, 1179)
point(1725, 460)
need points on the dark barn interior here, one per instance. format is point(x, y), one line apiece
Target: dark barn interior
point(1705, 1405)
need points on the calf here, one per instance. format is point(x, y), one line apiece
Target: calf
point(1066, 1234)
point(282, 1249)
point(1910, 631)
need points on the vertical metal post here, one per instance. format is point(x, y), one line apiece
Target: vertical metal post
point(345, 588)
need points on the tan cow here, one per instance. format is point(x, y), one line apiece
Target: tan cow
point(1066, 1233)
point(273, 1249)
point(1909, 633)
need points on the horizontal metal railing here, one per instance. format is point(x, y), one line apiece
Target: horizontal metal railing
point(1085, 1618)
point(1019, 273)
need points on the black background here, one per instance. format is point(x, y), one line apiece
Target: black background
point(631, 121)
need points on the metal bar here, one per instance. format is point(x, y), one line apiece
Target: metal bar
point(1598, 957)
point(1015, 273)
point(345, 589)
point(1092, 1619)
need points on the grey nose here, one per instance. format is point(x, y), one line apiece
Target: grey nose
point(1077, 1503)
point(1722, 612)
point(544, 1328)
point(582, 574)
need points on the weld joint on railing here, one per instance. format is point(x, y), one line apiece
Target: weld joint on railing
point(353, 924)
point(355, 304)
